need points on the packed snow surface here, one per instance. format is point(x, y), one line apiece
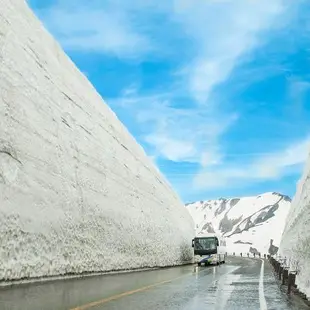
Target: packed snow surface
point(250, 224)
point(295, 243)
point(77, 193)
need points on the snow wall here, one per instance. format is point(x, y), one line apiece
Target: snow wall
point(295, 243)
point(77, 193)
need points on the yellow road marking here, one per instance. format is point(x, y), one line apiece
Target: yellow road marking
point(114, 297)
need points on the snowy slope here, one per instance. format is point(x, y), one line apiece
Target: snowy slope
point(77, 193)
point(295, 243)
point(249, 223)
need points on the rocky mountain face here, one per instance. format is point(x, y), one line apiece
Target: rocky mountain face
point(250, 224)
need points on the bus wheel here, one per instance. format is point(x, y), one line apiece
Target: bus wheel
point(199, 264)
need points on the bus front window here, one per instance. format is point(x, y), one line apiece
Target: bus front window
point(205, 243)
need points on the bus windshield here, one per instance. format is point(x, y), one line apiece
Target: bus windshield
point(208, 243)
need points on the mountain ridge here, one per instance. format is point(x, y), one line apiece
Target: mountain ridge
point(235, 197)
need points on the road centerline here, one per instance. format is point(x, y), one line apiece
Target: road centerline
point(128, 293)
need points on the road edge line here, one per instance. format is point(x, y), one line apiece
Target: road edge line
point(262, 299)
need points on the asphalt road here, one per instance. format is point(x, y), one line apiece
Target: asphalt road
point(241, 283)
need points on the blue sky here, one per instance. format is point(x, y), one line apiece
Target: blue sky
point(217, 92)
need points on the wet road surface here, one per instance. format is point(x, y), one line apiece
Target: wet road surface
point(241, 283)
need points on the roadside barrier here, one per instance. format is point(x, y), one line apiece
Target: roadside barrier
point(248, 254)
point(286, 272)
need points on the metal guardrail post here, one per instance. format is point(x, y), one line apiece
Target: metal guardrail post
point(294, 280)
point(291, 282)
point(289, 287)
point(284, 276)
point(280, 272)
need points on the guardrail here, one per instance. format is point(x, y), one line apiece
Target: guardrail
point(286, 271)
point(248, 254)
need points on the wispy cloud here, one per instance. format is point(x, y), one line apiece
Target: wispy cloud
point(175, 133)
point(91, 27)
point(270, 166)
point(221, 32)
point(224, 31)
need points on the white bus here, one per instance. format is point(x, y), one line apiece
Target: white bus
point(209, 249)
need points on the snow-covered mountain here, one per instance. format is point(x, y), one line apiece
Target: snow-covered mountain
point(77, 192)
point(295, 242)
point(250, 224)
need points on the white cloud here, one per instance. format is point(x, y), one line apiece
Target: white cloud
point(275, 165)
point(189, 135)
point(174, 133)
point(171, 149)
point(220, 32)
point(265, 167)
point(224, 32)
point(87, 27)
point(211, 158)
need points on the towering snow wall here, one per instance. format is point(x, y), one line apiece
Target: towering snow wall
point(77, 193)
point(295, 243)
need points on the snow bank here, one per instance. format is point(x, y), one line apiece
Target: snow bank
point(250, 224)
point(295, 243)
point(77, 193)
